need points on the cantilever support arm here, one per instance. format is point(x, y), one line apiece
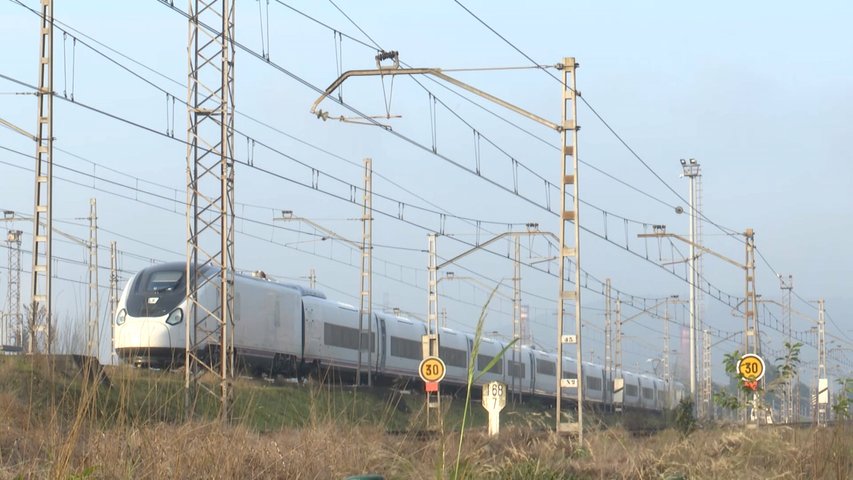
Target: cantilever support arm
point(493, 240)
point(687, 241)
point(436, 72)
point(321, 228)
point(644, 311)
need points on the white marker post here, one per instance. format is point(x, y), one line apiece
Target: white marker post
point(494, 400)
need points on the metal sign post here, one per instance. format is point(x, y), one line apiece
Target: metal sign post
point(432, 370)
point(751, 369)
point(494, 400)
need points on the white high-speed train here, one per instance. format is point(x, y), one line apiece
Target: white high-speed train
point(288, 329)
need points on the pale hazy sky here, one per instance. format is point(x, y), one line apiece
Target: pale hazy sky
point(758, 92)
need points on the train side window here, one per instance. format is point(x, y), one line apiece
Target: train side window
point(483, 362)
point(593, 383)
point(277, 313)
point(516, 369)
point(453, 357)
point(545, 367)
point(405, 348)
point(338, 336)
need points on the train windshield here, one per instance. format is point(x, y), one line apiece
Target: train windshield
point(164, 281)
point(157, 291)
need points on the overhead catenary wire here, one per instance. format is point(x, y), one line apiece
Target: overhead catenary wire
point(255, 54)
point(609, 128)
point(315, 187)
point(501, 222)
point(480, 106)
point(115, 117)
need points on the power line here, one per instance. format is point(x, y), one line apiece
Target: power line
point(99, 111)
point(315, 170)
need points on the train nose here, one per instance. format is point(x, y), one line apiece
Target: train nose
point(146, 334)
point(149, 342)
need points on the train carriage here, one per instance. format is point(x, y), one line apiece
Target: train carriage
point(283, 328)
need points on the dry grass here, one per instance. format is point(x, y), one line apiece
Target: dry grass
point(55, 426)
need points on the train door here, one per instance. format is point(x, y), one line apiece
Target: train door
point(380, 344)
point(313, 331)
point(532, 372)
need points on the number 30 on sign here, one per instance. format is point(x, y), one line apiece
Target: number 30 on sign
point(432, 369)
point(751, 367)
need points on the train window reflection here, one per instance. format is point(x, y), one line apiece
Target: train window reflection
point(164, 281)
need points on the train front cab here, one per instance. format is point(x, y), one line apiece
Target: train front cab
point(149, 323)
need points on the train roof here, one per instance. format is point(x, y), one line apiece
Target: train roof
point(257, 275)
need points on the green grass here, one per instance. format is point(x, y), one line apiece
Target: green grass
point(54, 423)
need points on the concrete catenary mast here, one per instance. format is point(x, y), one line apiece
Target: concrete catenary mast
point(569, 249)
point(39, 323)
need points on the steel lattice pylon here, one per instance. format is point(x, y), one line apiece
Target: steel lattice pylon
point(431, 339)
point(515, 373)
point(210, 198)
point(39, 321)
point(608, 342)
point(707, 385)
point(13, 327)
point(114, 297)
point(751, 342)
point(821, 412)
point(93, 343)
point(366, 292)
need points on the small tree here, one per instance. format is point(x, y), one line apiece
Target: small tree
point(841, 407)
point(786, 366)
point(685, 421)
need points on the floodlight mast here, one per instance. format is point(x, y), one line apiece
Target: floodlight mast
point(569, 255)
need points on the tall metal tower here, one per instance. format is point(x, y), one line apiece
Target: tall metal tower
point(706, 406)
point(619, 381)
point(788, 398)
point(608, 341)
point(526, 334)
point(822, 394)
point(366, 296)
point(569, 250)
point(691, 170)
point(667, 378)
point(92, 321)
point(39, 323)
point(515, 376)
point(114, 298)
point(751, 341)
point(210, 197)
point(431, 339)
point(13, 327)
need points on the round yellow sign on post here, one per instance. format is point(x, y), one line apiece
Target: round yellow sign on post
point(751, 367)
point(432, 369)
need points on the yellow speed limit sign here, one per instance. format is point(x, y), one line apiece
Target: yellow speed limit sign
point(432, 369)
point(751, 367)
